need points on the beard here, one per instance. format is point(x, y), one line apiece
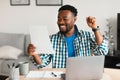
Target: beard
point(64, 32)
point(65, 29)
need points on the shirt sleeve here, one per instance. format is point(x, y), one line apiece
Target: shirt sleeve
point(101, 49)
point(46, 59)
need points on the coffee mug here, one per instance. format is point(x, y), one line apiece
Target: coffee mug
point(23, 68)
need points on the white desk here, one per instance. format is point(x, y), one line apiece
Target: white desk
point(114, 74)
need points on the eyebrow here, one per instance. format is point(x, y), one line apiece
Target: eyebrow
point(63, 16)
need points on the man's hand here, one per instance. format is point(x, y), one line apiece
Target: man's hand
point(91, 21)
point(31, 49)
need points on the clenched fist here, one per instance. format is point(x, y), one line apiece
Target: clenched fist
point(31, 49)
point(91, 21)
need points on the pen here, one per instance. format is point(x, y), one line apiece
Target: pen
point(13, 65)
point(8, 65)
point(17, 66)
point(54, 74)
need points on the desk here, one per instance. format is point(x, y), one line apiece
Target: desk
point(113, 73)
point(109, 74)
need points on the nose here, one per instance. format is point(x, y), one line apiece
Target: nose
point(60, 21)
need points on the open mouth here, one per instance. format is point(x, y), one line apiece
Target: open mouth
point(62, 26)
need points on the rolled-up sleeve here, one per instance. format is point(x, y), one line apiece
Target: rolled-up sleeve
point(101, 49)
point(46, 59)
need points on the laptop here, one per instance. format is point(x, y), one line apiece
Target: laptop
point(84, 68)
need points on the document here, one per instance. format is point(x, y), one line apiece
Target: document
point(40, 38)
point(44, 74)
point(36, 74)
point(53, 74)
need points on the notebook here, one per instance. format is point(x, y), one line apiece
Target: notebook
point(85, 68)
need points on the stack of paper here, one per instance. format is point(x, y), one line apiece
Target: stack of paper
point(44, 74)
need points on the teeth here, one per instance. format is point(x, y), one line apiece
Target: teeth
point(62, 26)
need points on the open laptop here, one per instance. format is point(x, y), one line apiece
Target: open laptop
point(84, 68)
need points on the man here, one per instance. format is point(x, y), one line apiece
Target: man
point(71, 42)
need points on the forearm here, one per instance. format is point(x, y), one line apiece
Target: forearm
point(37, 59)
point(101, 49)
point(98, 37)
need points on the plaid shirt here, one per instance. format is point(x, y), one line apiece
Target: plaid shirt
point(84, 45)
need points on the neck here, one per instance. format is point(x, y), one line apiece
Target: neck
point(70, 33)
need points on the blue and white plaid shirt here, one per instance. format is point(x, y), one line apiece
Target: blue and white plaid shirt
point(84, 45)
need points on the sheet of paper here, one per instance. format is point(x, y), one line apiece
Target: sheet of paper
point(44, 74)
point(36, 74)
point(40, 38)
point(53, 74)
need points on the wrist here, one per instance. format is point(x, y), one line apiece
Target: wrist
point(96, 29)
point(33, 54)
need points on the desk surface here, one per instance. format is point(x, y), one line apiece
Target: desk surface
point(113, 73)
point(109, 74)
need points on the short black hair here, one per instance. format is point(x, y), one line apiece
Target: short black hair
point(69, 7)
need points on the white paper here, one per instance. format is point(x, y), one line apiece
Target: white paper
point(40, 38)
point(44, 74)
point(36, 74)
point(53, 74)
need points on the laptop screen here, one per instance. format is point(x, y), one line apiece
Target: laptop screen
point(85, 68)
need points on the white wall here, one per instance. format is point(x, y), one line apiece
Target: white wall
point(17, 19)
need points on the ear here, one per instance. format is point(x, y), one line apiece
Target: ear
point(75, 18)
